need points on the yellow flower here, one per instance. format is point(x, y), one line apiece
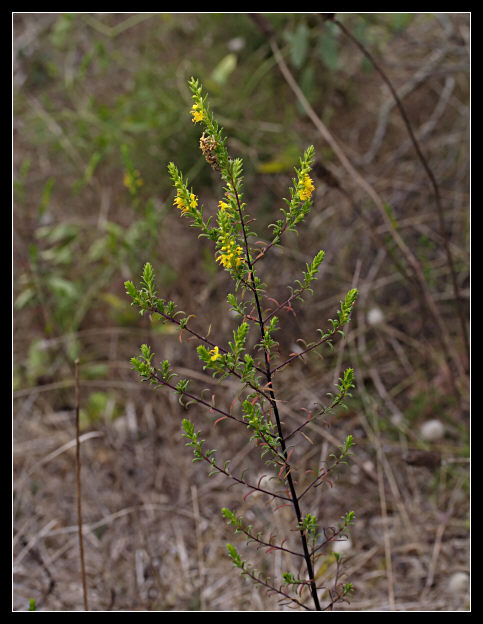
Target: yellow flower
point(230, 256)
point(307, 187)
point(133, 180)
point(193, 200)
point(215, 354)
point(224, 207)
point(180, 202)
point(196, 113)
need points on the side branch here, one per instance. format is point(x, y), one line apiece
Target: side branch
point(195, 334)
point(156, 379)
point(250, 486)
point(311, 347)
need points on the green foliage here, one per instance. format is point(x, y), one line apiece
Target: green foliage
point(343, 386)
point(143, 364)
point(309, 276)
point(298, 41)
point(262, 428)
point(348, 519)
point(267, 343)
point(328, 46)
point(309, 525)
point(195, 443)
point(236, 558)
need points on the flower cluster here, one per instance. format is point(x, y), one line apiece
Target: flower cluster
point(215, 354)
point(184, 200)
point(224, 207)
point(197, 112)
point(306, 187)
point(133, 180)
point(230, 253)
point(228, 247)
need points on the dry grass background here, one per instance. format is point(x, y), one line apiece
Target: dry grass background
point(154, 535)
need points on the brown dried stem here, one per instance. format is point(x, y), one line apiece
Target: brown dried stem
point(78, 485)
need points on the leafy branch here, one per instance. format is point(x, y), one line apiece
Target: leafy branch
point(343, 317)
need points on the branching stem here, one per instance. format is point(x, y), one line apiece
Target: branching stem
point(268, 374)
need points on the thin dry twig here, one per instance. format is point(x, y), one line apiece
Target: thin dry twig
point(384, 515)
point(78, 484)
point(428, 170)
point(439, 540)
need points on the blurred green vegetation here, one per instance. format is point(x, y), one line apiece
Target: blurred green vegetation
point(101, 105)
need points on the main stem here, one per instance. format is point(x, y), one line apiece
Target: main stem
point(268, 374)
